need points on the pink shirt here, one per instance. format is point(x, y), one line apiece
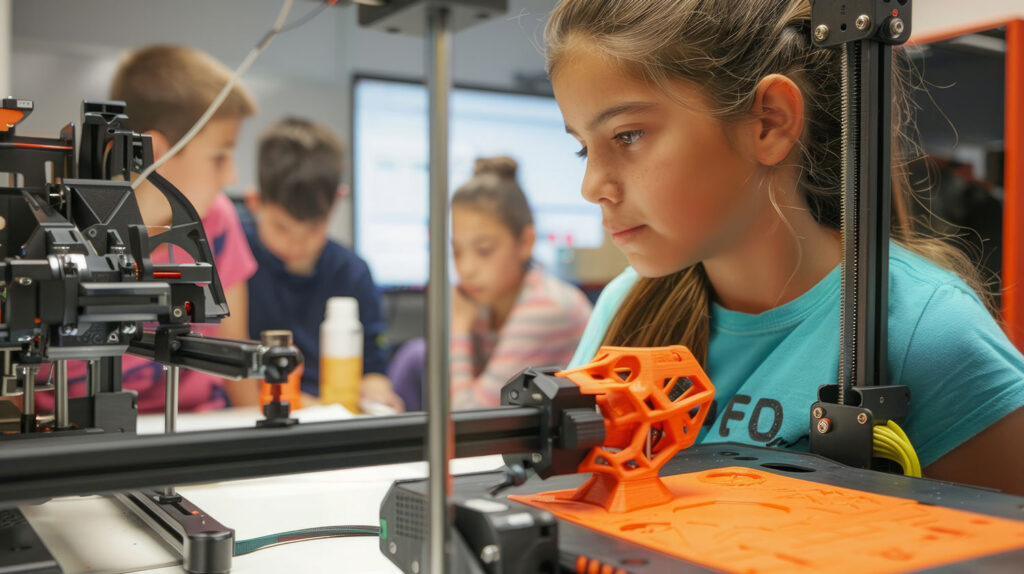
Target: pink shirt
point(543, 329)
point(197, 391)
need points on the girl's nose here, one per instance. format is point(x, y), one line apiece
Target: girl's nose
point(599, 184)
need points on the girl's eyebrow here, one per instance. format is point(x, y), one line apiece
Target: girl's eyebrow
point(611, 112)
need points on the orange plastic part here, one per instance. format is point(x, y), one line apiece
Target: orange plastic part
point(756, 522)
point(586, 565)
point(9, 118)
point(290, 392)
point(654, 401)
point(1013, 185)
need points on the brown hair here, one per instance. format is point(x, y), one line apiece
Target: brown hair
point(166, 89)
point(493, 189)
point(300, 167)
point(727, 48)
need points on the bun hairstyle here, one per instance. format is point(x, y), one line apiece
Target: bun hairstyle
point(493, 190)
point(502, 166)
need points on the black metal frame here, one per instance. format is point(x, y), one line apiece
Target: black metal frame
point(77, 465)
point(842, 420)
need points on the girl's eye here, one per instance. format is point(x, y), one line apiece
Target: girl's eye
point(484, 252)
point(626, 138)
point(629, 137)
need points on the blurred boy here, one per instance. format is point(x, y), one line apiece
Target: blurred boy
point(166, 89)
point(300, 168)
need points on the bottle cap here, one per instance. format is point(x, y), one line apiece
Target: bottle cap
point(276, 338)
point(342, 309)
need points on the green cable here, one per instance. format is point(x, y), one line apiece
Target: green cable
point(254, 544)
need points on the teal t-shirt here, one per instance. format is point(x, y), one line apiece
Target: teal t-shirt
point(962, 371)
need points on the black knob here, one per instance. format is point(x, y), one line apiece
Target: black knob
point(581, 429)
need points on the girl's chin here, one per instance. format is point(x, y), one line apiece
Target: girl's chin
point(652, 268)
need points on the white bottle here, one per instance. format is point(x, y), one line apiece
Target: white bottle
point(341, 353)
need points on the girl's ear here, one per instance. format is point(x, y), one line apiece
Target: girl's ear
point(526, 240)
point(778, 119)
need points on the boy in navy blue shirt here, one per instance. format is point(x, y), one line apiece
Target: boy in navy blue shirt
point(300, 166)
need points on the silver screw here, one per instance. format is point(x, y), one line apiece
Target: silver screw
point(128, 329)
point(824, 425)
point(282, 362)
point(393, 548)
point(862, 418)
point(490, 554)
point(24, 338)
point(24, 281)
point(177, 313)
point(817, 412)
point(821, 33)
point(112, 338)
point(863, 21)
point(536, 457)
point(896, 27)
point(415, 567)
point(537, 397)
point(514, 395)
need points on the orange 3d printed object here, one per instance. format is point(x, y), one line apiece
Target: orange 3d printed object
point(653, 402)
point(738, 519)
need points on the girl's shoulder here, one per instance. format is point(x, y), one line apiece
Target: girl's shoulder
point(917, 271)
point(933, 312)
point(916, 283)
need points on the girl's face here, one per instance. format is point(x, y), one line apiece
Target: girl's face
point(488, 257)
point(673, 188)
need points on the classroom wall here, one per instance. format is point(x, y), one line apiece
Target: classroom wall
point(59, 52)
point(64, 51)
point(5, 46)
point(935, 16)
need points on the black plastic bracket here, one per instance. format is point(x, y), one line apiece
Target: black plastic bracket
point(570, 424)
point(845, 432)
point(834, 23)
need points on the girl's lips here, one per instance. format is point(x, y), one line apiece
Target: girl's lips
point(624, 236)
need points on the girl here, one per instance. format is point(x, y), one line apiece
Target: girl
point(506, 314)
point(712, 143)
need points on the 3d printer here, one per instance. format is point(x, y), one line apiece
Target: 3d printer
point(78, 283)
point(623, 418)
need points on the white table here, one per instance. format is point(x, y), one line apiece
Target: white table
point(96, 535)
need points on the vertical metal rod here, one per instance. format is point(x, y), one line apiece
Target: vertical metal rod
point(28, 385)
point(438, 68)
point(94, 377)
point(170, 409)
point(60, 390)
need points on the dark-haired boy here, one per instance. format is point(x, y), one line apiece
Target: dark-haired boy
point(300, 168)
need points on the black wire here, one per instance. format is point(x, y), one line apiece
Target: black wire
point(309, 16)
